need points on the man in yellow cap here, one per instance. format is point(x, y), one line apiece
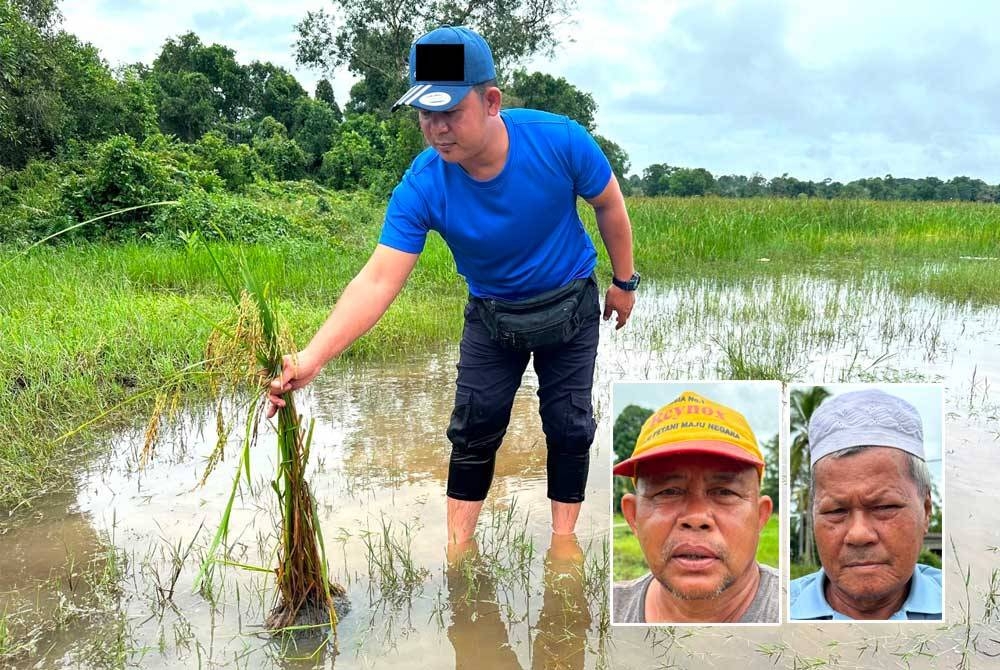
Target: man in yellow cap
point(697, 512)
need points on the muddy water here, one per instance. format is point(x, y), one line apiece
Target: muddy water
point(379, 466)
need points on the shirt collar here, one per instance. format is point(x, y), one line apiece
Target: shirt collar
point(924, 597)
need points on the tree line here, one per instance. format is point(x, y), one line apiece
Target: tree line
point(196, 116)
point(661, 179)
point(59, 100)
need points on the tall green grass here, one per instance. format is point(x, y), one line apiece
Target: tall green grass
point(86, 326)
point(683, 232)
point(83, 326)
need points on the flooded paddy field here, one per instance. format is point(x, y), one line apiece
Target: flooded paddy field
point(103, 576)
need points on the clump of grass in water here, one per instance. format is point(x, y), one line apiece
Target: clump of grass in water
point(248, 352)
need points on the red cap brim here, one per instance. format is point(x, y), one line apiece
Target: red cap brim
point(627, 467)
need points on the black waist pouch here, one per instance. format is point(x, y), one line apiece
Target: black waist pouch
point(549, 318)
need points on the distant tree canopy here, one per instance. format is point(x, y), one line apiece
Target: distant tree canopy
point(53, 88)
point(372, 38)
point(59, 100)
point(626, 431)
point(663, 179)
point(627, 428)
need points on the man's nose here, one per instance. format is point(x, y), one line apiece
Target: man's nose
point(860, 530)
point(438, 122)
point(697, 513)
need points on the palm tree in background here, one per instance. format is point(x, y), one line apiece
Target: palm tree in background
point(803, 403)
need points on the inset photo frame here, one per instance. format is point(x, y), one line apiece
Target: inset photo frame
point(696, 523)
point(866, 510)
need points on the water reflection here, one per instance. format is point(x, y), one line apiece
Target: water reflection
point(480, 637)
point(380, 454)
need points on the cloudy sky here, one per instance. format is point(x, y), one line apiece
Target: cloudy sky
point(841, 90)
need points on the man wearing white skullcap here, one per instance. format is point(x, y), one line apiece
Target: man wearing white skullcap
point(871, 509)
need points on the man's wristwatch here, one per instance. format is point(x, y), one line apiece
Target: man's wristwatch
point(630, 285)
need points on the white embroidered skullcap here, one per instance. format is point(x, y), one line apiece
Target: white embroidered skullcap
point(865, 418)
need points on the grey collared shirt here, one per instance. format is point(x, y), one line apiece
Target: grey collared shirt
point(630, 599)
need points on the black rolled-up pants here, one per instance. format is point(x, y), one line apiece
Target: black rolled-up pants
point(489, 376)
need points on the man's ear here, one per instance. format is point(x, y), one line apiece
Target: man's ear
point(628, 509)
point(494, 99)
point(928, 507)
point(764, 507)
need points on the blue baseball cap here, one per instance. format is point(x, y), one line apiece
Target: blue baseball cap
point(444, 66)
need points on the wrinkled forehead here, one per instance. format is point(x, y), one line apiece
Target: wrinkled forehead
point(685, 467)
point(885, 465)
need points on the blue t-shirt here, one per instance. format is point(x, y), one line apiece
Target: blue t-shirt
point(515, 235)
point(924, 601)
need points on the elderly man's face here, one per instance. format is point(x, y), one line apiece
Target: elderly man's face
point(869, 526)
point(698, 519)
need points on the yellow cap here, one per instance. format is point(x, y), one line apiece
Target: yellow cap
point(694, 424)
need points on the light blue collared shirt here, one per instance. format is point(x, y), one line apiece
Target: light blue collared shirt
point(808, 601)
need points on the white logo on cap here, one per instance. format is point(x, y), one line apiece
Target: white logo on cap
point(435, 99)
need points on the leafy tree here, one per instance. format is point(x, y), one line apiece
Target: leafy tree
point(551, 94)
point(403, 141)
point(618, 159)
point(348, 164)
point(789, 187)
point(54, 88)
point(372, 153)
point(43, 15)
point(274, 92)
point(635, 184)
point(655, 179)
point(283, 158)
point(686, 182)
point(626, 432)
point(130, 109)
point(324, 92)
point(803, 404)
point(236, 164)
point(229, 82)
point(186, 103)
point(313, 126)
point(928, 188)
point(372, 38)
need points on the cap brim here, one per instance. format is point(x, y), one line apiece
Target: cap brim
point(627, 467)
point(433, 97)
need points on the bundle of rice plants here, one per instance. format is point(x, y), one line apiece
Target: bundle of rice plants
point(247, 352)
point(243, 354)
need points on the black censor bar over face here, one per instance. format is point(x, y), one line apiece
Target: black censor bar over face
point(440, 62)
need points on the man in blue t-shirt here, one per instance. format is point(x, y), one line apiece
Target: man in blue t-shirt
point(500, 188)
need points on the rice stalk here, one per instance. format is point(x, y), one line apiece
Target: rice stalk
point(249, 353)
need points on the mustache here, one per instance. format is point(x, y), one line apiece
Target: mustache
point(670, 547)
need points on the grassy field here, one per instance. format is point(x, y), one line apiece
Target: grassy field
point(85, 326)
point(629, 562)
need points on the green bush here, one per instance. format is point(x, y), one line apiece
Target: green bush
point(238, 218)
point(283, 158)
point(236, 164)
point(119, 175)
point(928, 557)
point(30, 204)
